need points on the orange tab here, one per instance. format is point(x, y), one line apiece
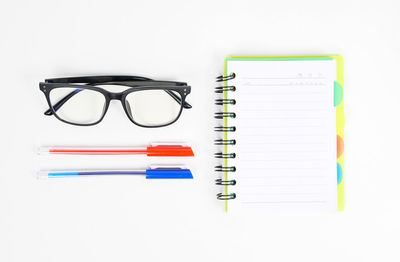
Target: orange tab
point(340, 146)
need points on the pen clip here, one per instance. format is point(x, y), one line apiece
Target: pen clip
point(167, 166)
point(168, 144)
point(169, 150)
point(168, 173)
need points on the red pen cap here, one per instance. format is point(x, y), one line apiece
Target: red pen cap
point(165, 150)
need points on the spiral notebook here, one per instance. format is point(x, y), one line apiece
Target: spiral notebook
point(281, 136)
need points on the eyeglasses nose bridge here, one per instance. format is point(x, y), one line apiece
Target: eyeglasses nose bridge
point(115, 96)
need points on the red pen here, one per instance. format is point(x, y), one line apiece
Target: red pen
point(152, 150)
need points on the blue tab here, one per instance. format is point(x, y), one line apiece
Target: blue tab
point(339, 174)
point(165, 173)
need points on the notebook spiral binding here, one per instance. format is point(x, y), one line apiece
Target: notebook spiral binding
point(221, 89)
point(221, 196)
point(225, 129)
point(221, 182)
point(225, 142)
point(225, 101)
point(222, 155)
point(222, 142)
point(222, 115)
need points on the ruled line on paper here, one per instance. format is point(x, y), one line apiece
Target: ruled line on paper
point(285, 110)
point(293, 159)
point(284, 143)
point(285, 193)
point(288, 135)
point(290, 118)
point(279, 126)
point(283, 77)
point(285, 202)
point(272, 100)
point(287, 168)
point(295, 151)
point(282, 176)
point(296, 86)
point(285, 185)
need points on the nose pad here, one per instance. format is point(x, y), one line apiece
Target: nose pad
point(128, 108)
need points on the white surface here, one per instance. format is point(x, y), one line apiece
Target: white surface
point(285, 136)
point(130, 219)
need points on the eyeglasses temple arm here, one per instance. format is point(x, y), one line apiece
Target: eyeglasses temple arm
point(96, 79)
point(60, 103)
point(172, 94)
point(178, 99)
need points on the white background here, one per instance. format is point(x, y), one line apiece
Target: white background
point(131, 219)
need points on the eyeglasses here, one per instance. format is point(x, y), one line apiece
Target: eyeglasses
point(147, 103)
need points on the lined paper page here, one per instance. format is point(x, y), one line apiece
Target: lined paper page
point(286, 135)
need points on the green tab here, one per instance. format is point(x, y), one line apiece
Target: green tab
point(338, 95)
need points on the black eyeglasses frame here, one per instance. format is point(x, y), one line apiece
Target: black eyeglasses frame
point(135, 83)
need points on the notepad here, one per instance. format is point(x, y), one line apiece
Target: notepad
point(287, 129)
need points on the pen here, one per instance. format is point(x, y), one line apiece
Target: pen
point(152, 150)
point(151, 173)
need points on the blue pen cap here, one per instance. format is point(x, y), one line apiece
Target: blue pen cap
point(168, 173)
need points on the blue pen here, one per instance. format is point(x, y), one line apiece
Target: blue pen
point(152, 173)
